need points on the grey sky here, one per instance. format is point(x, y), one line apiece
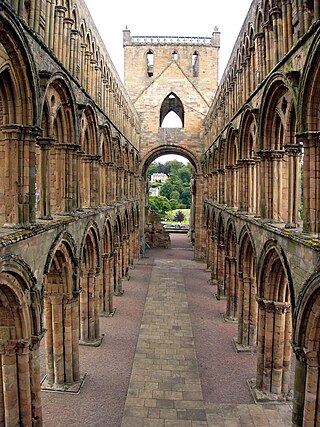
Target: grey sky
point(168, 18)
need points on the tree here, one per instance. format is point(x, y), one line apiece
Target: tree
point(175, 195)
point(174, 204)
point(179, 216)
point(159, 204)
point(185, 197)
point(166, 189)
point(185, 173)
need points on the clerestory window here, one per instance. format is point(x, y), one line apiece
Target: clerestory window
point(150, 62)
point(175, 55)
point(195, 64)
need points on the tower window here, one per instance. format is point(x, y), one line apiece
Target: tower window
point(195, 64)
point(150, 61)
point(172, 112)
point(175, 55)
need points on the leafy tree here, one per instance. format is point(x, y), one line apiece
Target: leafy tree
point(179, 216)
point(185, 197)
point(173, 167)
point(174, 204)
point(159, 204)
point(166, 189)
point(184, 174)
point(175, 195)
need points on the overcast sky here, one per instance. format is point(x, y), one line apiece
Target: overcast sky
point(168, 18)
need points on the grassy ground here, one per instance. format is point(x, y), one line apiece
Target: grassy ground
point(186, 213)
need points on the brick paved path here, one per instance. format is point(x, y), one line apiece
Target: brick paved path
point(165, 384)
point(165, 388)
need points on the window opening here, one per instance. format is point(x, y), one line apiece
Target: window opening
point(195, 64)
point(150, 62)
point(175, 55)
point(172, 112)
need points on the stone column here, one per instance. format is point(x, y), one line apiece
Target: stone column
point(35, 380)
point(293, 185)
point(231, 289)
point(58, 31)
point(214, 267)
point(62, 348)
point(90, 308)
point(299, 386)
point(9, 380)
point(273, 349)
point(44, 172)
point(66, 46)
point(247, 314)
point(221, 272)
point(107, 285)
point(118, 271)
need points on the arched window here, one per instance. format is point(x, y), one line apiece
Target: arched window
point(195, 64)
point(175, 55)
point(172, 108)
point(150, 61)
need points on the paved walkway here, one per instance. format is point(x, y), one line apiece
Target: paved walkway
point(165, 386)
point(166, 358)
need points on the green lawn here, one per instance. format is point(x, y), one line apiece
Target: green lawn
point(186, 212)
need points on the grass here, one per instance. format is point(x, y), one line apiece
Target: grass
point(186, 213)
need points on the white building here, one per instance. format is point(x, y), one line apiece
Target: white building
point(159, 177)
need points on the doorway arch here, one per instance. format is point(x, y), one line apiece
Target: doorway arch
point(197, 233)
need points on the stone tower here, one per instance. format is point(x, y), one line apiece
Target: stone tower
point(172, 74)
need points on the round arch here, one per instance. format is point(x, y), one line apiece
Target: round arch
point(168, 149)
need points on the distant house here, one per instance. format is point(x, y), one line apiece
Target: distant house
point(159, 177)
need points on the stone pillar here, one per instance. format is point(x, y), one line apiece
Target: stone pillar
point(35, 380)
point(107, 284)
point(247, 314)
point(118, 271)
point(299, 386)
point(62, 349)
point(9, 380)
point(214, 267)
point(66, 46)
point(20, 401)
point(231, 289)
point(44, 179)
point(311, 393)
point(58, 31)
point(311, 175)
point(221, 294)
point(90, 308)
point(274, 349)
point(293, 184)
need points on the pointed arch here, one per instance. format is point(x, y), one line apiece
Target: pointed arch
point(172, 103)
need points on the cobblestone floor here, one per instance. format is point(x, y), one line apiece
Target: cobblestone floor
point(166, 358)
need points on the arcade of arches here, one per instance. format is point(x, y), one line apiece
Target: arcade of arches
point(75, 143)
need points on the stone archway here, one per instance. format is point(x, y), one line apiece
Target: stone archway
point(61, 319)
point(20, 336)
point(197, 228)
point(274, 327)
